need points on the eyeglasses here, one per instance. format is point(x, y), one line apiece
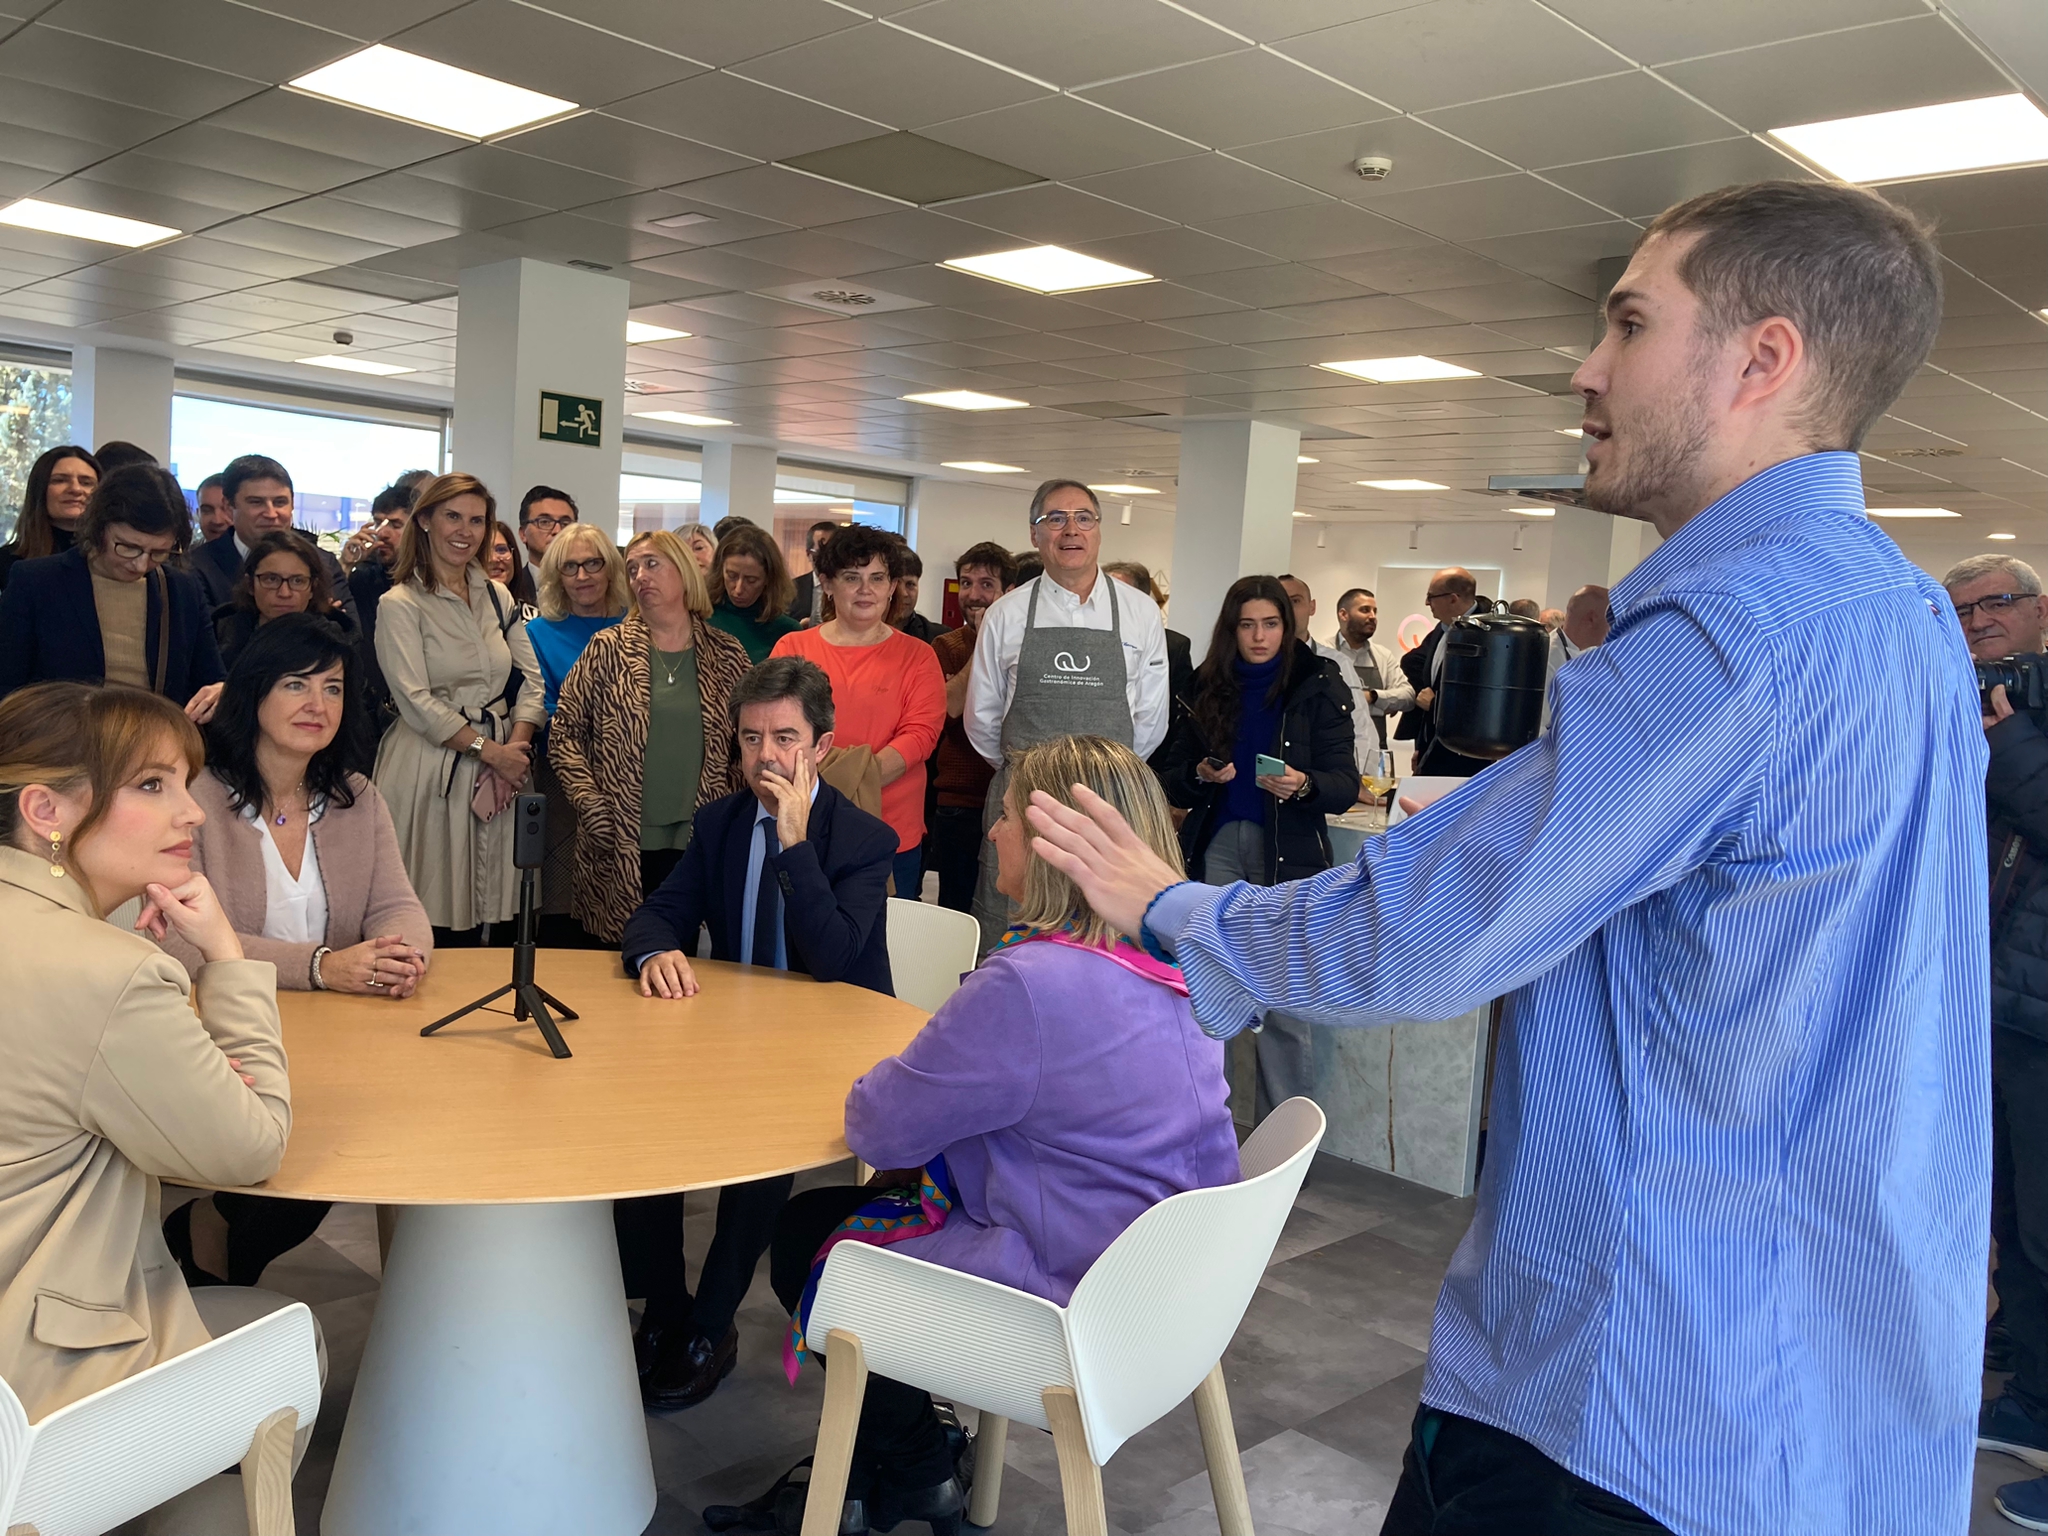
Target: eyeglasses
point(271, 581)
point(1998, 602)
point(548, 524)
point(590, 567)
point(1080, 521)
point(134, 552)
point(1437, 597)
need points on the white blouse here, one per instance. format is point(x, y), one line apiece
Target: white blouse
point(294, 911)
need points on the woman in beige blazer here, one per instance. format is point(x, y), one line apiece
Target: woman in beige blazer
point(301, 855)
point(113, 1079)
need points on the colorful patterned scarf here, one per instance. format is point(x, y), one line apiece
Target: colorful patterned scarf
point(1123, 953)
point(890, 1217)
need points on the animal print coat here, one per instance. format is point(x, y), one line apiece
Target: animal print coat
point(598, 745)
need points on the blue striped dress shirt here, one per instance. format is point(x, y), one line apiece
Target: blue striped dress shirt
point(1729, 1248)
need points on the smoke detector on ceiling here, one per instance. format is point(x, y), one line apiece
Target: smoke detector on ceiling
point(1373, 167)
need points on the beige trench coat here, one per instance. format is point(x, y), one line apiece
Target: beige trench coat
point(113, 1082)
point(444, 660)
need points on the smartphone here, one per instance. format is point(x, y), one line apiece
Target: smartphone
point(1265, 767)
point(1216, 764)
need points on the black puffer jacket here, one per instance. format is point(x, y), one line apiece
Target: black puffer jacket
point(1316, 736)
point(2016, 796)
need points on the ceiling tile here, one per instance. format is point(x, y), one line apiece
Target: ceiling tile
point(622, 150)
point(291, 240)
point(1266, 22)
point(439, 202)
point(578, 239)
point(127, 75)
point(1061, 137)
point(1237, 98)
point(1176, 253)
point(1049, 214)
point(1363, 316)
point(744, 117)
point(864, 70)
point(28, 103)
point(1643, 186)
point(917, 232)
point(544, 52)
point(1267, 287)
point(728, 271)
point(358, 222)
point(1310, 233)
point(1566, 257)
point(369, 20)
point(1879, 68)
point(46, 154)
point(1423, 157)
point(1658, 31)
point(210, 32)
point(715, 32)
point(2014, 261)
point(1244, 327)
point(129, 203)
point(1200, 188)
point(245, 258)
point(1169, 302)
point(1617, 115)
point(242, 155)
point(1072, 42)
point(329, 128)
point(815, 254)
point(1424, 56)
point(1497, 205)
point(1988, 200)
point(1412, 268)
point(789, 197)
point(1523, 299)
point(189, 183)
point(501, 172)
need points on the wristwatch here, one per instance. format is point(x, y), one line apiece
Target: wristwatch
point(475, 748)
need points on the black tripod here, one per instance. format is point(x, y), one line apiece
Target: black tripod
point(529, 998)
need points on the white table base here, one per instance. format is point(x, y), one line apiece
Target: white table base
point(497, 1394)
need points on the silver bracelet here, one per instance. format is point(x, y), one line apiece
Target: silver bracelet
point(313, 970)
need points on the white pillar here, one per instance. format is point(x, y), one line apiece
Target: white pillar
point(522, 328)
point(1235, 515)
point(124, 395)
point(738, 477)
point(1581, 542)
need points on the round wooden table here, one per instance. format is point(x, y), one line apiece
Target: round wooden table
point(497, 1392)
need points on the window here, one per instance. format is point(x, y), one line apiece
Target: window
point(663, 487)
point(35, 416)
point(338, 464)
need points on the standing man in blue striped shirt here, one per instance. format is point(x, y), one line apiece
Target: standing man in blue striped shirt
point(1726, 1272)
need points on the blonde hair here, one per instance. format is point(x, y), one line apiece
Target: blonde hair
point(70, 737)
point(1052, 903)
point(413, 559)
point(676, 553)
point(554, 601)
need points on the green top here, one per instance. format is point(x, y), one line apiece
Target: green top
point(675, 749)
point(759, 638)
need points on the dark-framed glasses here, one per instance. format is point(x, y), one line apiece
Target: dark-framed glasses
point(590, 567)
point(132, 553)
point(1081, 520)
point(1997, 602)
point(547, 524)
point(273, 581)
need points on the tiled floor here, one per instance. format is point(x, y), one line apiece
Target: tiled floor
point(1323, 1379)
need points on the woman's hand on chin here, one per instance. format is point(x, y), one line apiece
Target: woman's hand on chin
point(193, 911)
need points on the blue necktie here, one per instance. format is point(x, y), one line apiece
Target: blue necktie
point(767, 899)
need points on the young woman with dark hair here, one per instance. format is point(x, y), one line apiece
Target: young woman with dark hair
point(60, 483)
point(107, 609)
point(283, 573)
point(302, 853)
point(751, 589)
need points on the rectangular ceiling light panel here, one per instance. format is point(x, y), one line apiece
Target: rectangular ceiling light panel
point(403, 85)
point(1400, 370)
point(638, 331)
point(1911, 512)
point(356, 365)
point(1925, 141)
point(1403, 485)
point(983, 467)
point(1049, 269)
point(83, 223)
point(1125, 490)
point(683, 418)
point(966, 400)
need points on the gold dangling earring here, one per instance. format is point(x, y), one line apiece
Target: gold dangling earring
point(57, 869)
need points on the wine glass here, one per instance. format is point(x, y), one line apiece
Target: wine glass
point(1376, 776)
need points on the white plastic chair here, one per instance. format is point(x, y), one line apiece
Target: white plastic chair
point(930, 948)
point(1147, 1326)
point(107, 1458)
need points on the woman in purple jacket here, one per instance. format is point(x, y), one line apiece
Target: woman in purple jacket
point(1060, 1093)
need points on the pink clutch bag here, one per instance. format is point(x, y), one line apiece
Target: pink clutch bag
point(492, 795)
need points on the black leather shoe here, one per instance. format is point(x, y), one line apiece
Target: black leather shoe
point(688, 1368)
point(943, 1507)
point(646, 1344)
point(178, 1238)
point(781, 1509)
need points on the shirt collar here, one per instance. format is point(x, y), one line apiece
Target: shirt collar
point(1814, 483)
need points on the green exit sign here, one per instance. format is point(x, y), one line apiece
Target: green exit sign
point(571, 419)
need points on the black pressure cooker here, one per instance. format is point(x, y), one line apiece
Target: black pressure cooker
point(1490, 687)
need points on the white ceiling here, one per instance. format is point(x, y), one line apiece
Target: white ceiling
point(1207, 141)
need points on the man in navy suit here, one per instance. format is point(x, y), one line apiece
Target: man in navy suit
point(787, 873)
point(259, 497)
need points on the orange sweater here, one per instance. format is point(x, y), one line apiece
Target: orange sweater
point(883, 696)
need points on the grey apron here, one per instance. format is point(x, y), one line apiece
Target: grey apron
point(1070, 682)
point(1366, 663)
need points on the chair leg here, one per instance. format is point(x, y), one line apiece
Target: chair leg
point(267, 1475)
point(1219, 1446)
point(989, 1445)
point(387, 1223)
point(1080, 1478)
point(846, 1384)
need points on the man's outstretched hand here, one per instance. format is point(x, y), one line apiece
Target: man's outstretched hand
point(1095, 848)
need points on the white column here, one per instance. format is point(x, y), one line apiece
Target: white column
point(738, 477)
point(1235, 515)
point(124, 395)
point(1581, 542)
point(523, 327)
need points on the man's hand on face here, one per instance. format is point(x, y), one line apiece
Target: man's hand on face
point(792, 798)
point(2001, 707)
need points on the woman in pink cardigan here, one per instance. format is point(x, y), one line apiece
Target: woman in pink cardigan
point(303, 857)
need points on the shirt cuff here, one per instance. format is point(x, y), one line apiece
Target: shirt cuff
point(1176, 907)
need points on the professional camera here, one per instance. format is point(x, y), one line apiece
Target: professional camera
point(2026, 684)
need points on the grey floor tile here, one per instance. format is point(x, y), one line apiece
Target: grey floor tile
point(1292, 1360)
point(1296, 1485)
point(1369, 1281)
point(1308, 1230)
point(1435, 1232)
point(1374, 1425)
point(1345, 1191)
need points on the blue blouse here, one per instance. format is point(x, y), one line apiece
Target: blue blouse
point(558, 643)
